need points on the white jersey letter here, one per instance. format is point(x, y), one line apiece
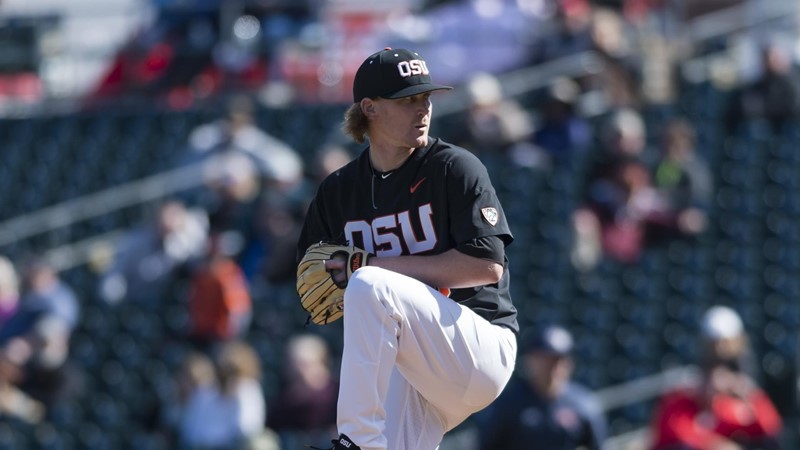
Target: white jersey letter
point(386, 243)
point(360, 227)
point(429, 235)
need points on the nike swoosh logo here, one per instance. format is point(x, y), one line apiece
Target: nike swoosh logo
point(385, 175)
point(416, 185)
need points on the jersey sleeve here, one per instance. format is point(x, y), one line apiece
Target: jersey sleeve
point(474, 208)
point(491, 248)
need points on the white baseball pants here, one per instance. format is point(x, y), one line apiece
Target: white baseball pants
point(415, 363)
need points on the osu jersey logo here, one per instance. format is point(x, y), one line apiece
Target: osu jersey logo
point(388, 235)
point(412, 67)
point(490, 215)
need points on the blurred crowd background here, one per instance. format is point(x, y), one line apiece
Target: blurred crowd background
point(157, 157)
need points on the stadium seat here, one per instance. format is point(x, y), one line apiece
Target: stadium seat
point(144, 326)
point(14, 434)
point(129, 350)
point(106, 412)
point(66, 414)
point(142, 440)
point(599, 317)
point(87, 350)
point(681, 340)
point(48, 437)
point(90, 435)
point(158, 377)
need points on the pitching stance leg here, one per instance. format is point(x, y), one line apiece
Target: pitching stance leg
point(415, 363)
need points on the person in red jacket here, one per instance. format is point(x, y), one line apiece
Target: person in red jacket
point(726, 410)
point(220, 305)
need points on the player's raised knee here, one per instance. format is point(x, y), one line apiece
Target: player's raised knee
point(371, 283)
point(365, 279)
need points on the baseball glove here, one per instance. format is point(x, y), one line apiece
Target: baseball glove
point(320, 293)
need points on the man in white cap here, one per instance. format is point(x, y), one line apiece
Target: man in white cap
point(726, 410)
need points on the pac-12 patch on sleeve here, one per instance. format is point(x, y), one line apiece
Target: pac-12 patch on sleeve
point(490, 214)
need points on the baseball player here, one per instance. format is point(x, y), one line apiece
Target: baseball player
point(429, 326)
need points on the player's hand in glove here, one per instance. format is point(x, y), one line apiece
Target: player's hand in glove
point(321, 289)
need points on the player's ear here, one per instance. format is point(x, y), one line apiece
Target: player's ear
point(368, 107)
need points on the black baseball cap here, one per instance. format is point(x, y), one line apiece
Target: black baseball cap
point(393, 73)
point(552, 338)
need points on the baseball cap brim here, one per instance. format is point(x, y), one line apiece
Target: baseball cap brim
point(416, 89)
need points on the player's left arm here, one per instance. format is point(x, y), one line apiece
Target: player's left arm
point(477, 262)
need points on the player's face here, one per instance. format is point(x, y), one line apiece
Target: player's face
point(548, 372)
point(402, 122)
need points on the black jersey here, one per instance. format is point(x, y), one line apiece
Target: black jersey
point(439, 198)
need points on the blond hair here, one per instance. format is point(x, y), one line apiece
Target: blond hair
point(355, 123)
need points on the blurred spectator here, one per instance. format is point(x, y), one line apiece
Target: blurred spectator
point(220, 306)
point(240, 382)
point(269, 254)
point(774, 96)
point(15, 403)
point(622, 136)
point(194, 411)
point(726, 410)
point(44, 294)
point(278, 164)
point(545, 408)
point(618, 82)
point(561, 131)
point(626, 206)
point(304, 410)
point(580, 26)
point(621, 206)
point(568, 33)
point(637, 11)
point(9, 290)
point(631, 213)
point(587, 248)
point(190, 51)
point(278, 226)
point(219, 408)
point(328, 159)
point(684, 176)
point(242, 164)
point(149, 257)
point(494, 125)
point(34, 343)
point(230, 196)
point(277, 214)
